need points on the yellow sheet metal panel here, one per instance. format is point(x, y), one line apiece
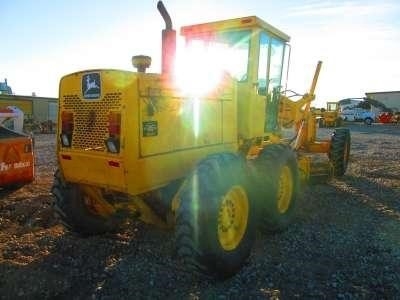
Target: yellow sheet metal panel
point(87, 160)
point(252, 112)
point(91, 115)
point(155, 171)
point(174, 132)
point(229, 123)
point(108, 172)
point(171, 121)
point(163, 134)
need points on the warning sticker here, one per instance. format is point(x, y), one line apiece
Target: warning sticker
point(150, 128)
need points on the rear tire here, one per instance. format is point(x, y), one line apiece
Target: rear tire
point(69, 206)
point(276, 186)
point(339, 151)
point(368, 121)
point(215, 224)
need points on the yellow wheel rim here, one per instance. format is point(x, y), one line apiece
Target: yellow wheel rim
point(232, 218)
point(95, 203)
point(285, 190)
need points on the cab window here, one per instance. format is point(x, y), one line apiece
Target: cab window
point(222, 51)
point(263, 61)
point(275, 71)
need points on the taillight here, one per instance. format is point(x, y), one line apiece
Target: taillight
point(67, 127)
point(114, 124)
point(114, 131)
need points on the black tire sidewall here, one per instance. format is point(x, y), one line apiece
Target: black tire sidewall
point(215, 176)
point(73, 212)
point(339, 152)
point(229, 261)
point(268, 168)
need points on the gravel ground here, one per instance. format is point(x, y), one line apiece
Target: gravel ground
point(343, 244)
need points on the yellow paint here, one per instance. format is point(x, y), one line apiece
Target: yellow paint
point(232, 218)
point(285, 189)
point(95, 202)
point(164, 132)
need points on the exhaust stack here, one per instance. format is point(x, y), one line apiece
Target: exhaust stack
point(168, 42)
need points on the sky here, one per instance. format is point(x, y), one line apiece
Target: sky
point(358, 41)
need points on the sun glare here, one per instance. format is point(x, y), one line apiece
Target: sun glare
point(204, 64)
point(199, 69)
point(198, 73)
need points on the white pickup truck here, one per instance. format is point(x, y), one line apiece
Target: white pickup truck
point(358, 114)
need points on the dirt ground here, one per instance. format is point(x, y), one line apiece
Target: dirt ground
point(344, 242)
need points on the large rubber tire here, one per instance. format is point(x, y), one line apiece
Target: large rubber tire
point(70, 208)
point(276, 187)
point(339, 151)
point(215, 223)
point(368, 121)
point(338, 122)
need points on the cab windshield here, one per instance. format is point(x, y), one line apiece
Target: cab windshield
point(227, 51)
point(207, 56)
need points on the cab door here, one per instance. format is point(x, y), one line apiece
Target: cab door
point(270, 67)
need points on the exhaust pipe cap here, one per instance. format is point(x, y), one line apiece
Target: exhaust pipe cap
point(141, 62)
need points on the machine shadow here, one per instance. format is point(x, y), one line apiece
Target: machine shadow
point(313, 260)
point(139, 260)
point(370, 192)
point(41, 260)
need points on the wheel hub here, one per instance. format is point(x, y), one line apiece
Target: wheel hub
point(232, 218)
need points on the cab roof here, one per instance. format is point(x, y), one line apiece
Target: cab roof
point(237, 23)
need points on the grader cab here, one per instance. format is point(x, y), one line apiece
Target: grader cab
point(330, 117)
point(206, 157)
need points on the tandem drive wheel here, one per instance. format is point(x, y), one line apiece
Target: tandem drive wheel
point(275, 186)
point(82, 208)
point(215, 220)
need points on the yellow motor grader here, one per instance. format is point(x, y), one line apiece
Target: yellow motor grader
point(207, 157)
point(330, 117)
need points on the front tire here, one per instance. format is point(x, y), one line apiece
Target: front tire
point(276, 186)
point(339, 152)
point(75, 208)
point(215, 220)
